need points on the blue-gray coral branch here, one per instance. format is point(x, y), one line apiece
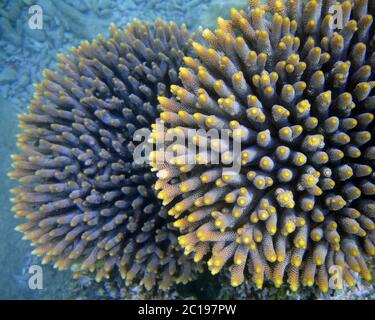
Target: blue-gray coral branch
point(87, 203)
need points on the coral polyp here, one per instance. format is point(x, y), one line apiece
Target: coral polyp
point(296, 90)
point(88, 205)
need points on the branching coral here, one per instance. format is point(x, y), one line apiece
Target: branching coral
point(299, 96)
point(88, 204)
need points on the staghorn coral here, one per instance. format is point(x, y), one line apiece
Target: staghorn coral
point(299, 96)
point(88, 205)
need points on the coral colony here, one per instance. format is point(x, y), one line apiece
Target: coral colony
point(282, 79)
point(298, 94)
point(87, 203)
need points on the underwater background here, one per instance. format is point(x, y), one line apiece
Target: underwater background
point(24, 53)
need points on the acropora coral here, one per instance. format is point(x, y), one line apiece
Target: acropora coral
point(88, 205)
point(297, 91)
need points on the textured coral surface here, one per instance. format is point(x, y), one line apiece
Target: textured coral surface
point(86, 202)
point(298, 92)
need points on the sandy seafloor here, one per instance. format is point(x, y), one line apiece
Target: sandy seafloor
point(24, 53)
